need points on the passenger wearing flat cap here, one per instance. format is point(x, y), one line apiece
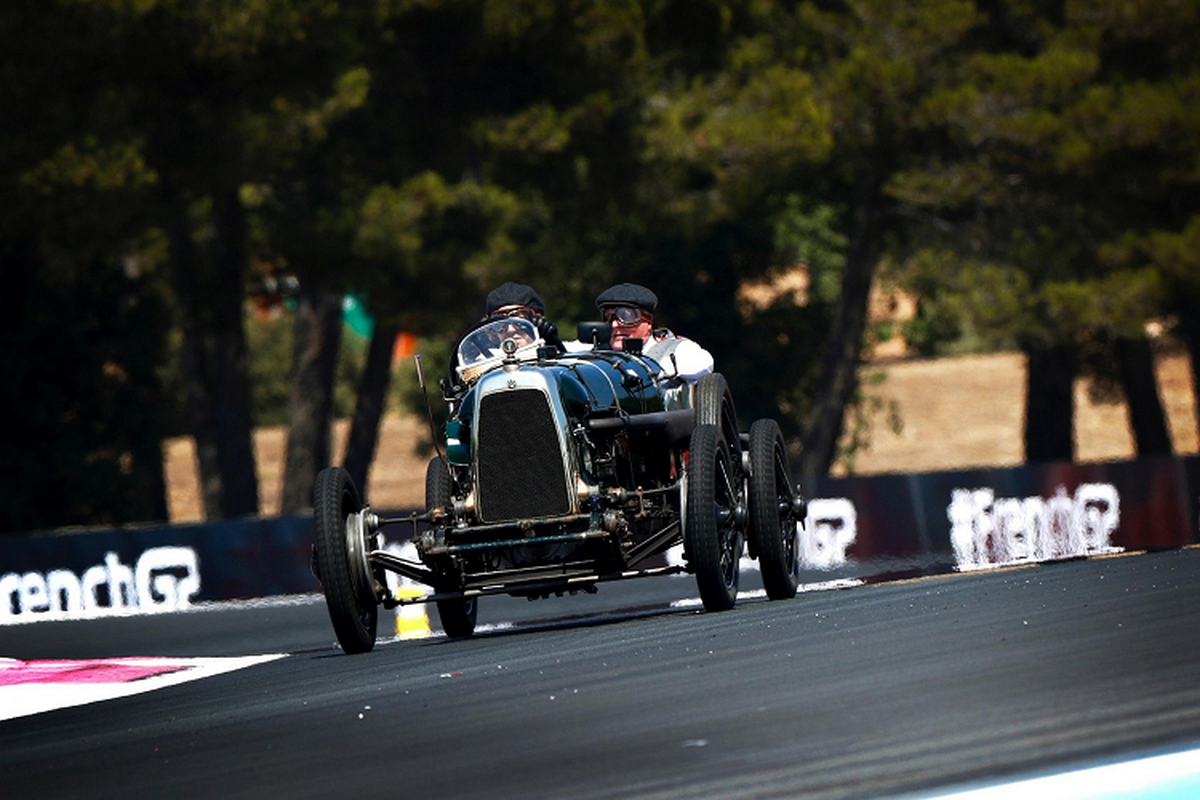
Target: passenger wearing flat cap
point(629, 309)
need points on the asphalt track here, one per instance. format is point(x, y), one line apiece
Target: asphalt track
point(877, 690)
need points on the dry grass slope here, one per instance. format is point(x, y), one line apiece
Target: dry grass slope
point(957, 413)
point(968, 412)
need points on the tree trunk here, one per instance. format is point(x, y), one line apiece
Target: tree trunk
point(193, 363)
point(214, 356)
point(317, 338)
point(239, 481)
point(150, 469)
point(1191, 340)
point(1050, 404)
point(369, 406)
point(839, 372)
point(1146, 417)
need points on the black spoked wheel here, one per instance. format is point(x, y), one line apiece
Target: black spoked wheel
point(457, 616)
point(341, 554)
point(714, 406)
point(772, 524)
point(711, 535)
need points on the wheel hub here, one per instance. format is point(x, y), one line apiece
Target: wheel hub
point(799, 507)
point(741, 516)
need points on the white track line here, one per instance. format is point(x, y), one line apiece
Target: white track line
point(1175, 775)
point(34, 687)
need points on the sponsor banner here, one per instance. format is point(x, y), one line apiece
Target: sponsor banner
point(976, 519)
point(163, 579)
point(863, 528)
point(148, 569)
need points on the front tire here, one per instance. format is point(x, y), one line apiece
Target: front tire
point(772, 524)
point(458, 615)
point(340, 550)
point(711, 535)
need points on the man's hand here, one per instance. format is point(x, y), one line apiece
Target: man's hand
point(549, 332)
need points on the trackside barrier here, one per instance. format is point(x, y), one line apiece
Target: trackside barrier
point(889, 526)
point(868, 528)
point(150, 568)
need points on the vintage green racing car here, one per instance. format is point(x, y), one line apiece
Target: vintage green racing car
point(559, 471)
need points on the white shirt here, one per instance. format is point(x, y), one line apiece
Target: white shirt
point(691, 362)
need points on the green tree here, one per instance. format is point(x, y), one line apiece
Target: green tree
point(1176, 257)
point(1060, 159)
point(432, 245)
point(84, 313)
point(510, 174)
point(820, 96)
point(302, 208)
point(239, 98)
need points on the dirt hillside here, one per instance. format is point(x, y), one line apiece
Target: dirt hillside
point(956, 413)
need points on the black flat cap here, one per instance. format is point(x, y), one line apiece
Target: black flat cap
point(513, 294)
point(628, 294)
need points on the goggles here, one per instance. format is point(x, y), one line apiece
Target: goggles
point(624, 315)
point(525, 312)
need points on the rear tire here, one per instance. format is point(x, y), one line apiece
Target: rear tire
point(340, 550)
point(714, 406)
point(772, 524)
point(457, 616)
point(711, 536)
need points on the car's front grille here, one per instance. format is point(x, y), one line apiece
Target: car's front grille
point(520, 467)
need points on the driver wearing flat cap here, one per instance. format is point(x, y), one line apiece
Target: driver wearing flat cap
point(629, 309)
point(511, 299)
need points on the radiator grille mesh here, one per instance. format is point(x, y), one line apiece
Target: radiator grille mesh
point(520, 468)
